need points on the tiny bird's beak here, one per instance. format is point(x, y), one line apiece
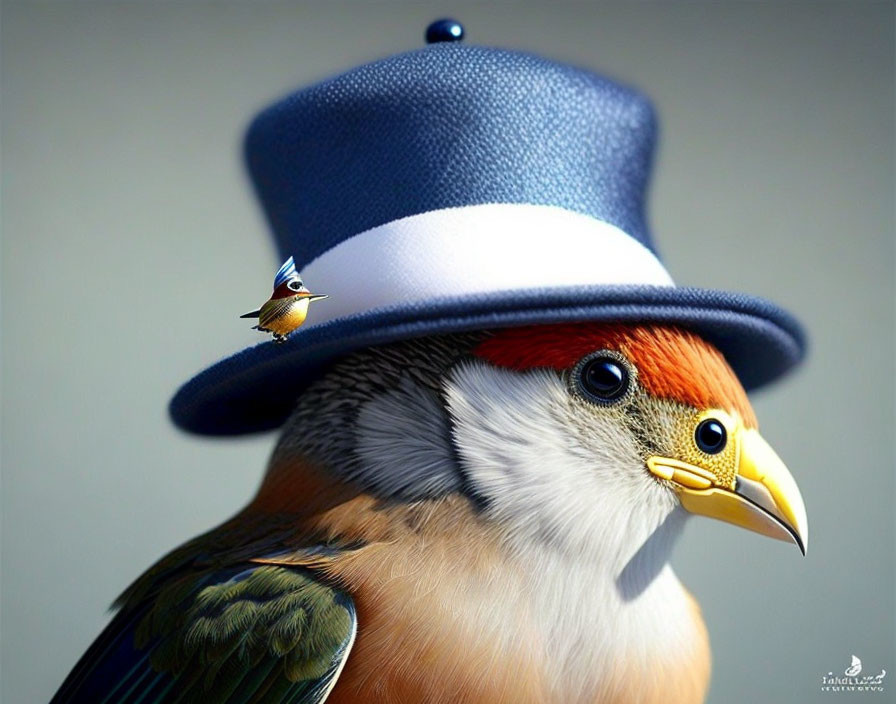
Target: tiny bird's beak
point(317, 296)
point(760, 495)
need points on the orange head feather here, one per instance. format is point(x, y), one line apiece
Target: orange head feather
point(672, 363)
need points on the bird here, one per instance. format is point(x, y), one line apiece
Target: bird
point(481, 516)
point(287, 307)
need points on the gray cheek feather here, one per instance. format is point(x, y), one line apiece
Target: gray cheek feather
point(403, 444)
point(377, 419)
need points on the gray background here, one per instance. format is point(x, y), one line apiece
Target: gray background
point(130, 241)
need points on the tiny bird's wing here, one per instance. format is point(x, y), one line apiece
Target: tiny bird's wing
point(273, 310)
point(251, 633)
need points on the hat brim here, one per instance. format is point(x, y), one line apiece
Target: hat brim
point(256, 389)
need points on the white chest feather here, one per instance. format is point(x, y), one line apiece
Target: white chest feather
point(595, 637)
point(590, 530)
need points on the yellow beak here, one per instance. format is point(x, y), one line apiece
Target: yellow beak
point(762, 496)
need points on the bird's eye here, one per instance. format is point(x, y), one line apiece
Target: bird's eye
point(294, 285)
point(603, 378)
point(711, 436)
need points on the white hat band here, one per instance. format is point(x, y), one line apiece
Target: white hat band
point(475, 249)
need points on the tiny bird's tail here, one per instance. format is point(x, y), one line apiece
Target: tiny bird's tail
point(251, 314)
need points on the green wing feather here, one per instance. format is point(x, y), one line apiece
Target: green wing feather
point(248, 633)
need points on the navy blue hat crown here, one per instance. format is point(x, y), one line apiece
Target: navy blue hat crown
point(458, 188)
point(444, 126)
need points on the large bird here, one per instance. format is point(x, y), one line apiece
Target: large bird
point(480, 517)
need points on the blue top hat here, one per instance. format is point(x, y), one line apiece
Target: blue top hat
point(455, 188)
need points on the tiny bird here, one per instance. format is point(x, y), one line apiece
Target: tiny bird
point(287, 307)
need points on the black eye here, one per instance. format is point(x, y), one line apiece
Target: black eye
point(603, 379)
point(294, 285)
point(711, 436)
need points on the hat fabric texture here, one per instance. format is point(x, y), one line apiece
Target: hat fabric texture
point(456, 188)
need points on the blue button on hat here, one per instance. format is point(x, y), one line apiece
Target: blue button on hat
point(456, 188)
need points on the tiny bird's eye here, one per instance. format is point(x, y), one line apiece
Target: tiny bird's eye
point(294, 285)
point(711, 436)
point(603, 378)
